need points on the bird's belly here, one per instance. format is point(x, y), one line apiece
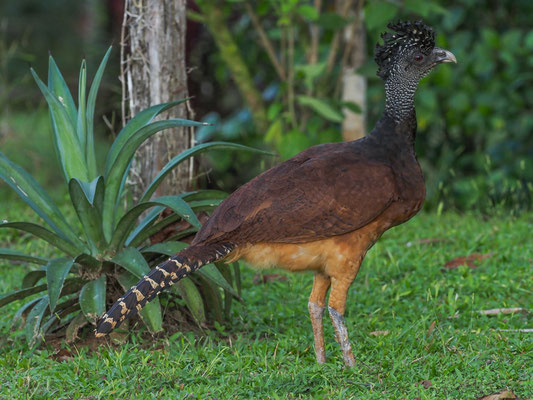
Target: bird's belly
point(342, 251)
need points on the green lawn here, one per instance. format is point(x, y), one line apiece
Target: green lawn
point(266, 351)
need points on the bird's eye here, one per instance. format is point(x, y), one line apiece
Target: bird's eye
point(419, 58)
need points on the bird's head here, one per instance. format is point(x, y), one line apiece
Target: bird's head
point(409, 53)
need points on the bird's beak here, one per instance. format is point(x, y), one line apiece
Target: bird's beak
point(443, 56)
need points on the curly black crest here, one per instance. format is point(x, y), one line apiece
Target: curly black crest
point(407, 35)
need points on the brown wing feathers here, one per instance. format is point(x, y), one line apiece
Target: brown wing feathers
point(165, 274)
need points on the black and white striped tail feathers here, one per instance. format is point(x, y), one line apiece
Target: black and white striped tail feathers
point(165, 274)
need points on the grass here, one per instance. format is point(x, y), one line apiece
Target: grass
point(266, 351)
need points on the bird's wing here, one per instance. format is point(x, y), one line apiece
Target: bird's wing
point(318, 194)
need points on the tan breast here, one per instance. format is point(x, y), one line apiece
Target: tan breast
point(342, 251)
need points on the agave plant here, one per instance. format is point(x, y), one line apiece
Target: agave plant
point(107, 242)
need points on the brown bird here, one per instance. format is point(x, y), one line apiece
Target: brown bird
point(324, 208)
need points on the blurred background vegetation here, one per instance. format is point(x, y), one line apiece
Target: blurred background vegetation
point(475, 137)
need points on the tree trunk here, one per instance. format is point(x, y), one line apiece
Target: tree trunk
point(153, 71)
point(353, 84)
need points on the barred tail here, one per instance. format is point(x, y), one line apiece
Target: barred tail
point(165, 274)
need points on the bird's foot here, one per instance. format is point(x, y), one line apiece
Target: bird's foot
point(341, 334)
point(316, 313)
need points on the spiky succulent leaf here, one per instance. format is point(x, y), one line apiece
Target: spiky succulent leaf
point(33, 322)
point(166, 248)
point(67, 141)
point(211, 273)
point(193, 299)
point(91, 102)
point(35, 196)
point(193, 151)
point(43, 233)
point(83, 195)
point(140, 120)
point(132, 260)
point(127, 222)
point(8, 254)
point(58, 86)
point(92, 298)
point(19, 318)
point(32, 277)
point(81, 120)
point(146, 223)
point(119, 169)
point(21, 294)
point(56, 273)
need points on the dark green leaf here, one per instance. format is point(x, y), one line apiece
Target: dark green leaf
point(81, 123)
point(193, 151)
point(32, 277)
point(353, 107)
point(166, 248)
point(88, 262)
point(33, 322)
point(237, 275)
point(308, 12)
point(43, 233)
point(204, 195)
point(9, 254)
point(92, 298)
point(18, 318)
point(58, 86)
point(131, 259)
point(116, 173)
point(213, 298)
point(379, 13)
point(145, 224)
point(424, 8)
point(20, 294)
point(82, 196)
point(332, 21)
point(74, 326)
point(68, 144)
point(193, 299)
point(204, 205)
point(142, 119)
point(127, 222)
point(56, 273)
point(35, 196)
point(321, 107)
point(91, 101)
point(210, 272)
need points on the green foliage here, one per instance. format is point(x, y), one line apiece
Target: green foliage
point(435, 333)
point(474, 138)
point(105, 244)
point(475, 120)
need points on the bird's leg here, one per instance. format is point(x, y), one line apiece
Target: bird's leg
point(336, 308)
point(316, 305)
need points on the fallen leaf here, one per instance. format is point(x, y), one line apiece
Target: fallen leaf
point(467, 260)
point(62, 355)
point(505, 395)
point(526, 330)
point(430, 329)
point(498, 311)
point(379, 333)
point(267, 278)
point(425, 383)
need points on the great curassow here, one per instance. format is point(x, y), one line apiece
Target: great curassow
point(324, 208)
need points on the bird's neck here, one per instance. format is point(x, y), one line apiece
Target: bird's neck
point(400, 108)
point(400, 98)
